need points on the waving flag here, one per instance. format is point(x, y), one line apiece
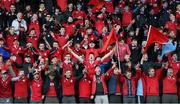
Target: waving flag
point(62, 4)
point(111, 39)
point(154, 36)
point(168, 47)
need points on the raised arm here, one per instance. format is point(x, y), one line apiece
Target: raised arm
point(47, 43)
point(107, 55)
point(67, 44)
point(75, 55)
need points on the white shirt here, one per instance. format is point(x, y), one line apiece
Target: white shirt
point(16, 24)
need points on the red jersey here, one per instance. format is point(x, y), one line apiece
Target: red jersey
point(126, 18)
point(84, 88)
point(10, 39)
point(36, 88)
point(7, 3)
point(169, 85)
point(70, 29)
point(62, 4)
point(6, 88)
point(68, 86)
point(52, 90)
point(21, 88)
point(91, 66)
point(36, 26)
point(33, 40)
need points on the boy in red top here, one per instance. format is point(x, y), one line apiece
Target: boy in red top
point(170, 87)
point(21, 88)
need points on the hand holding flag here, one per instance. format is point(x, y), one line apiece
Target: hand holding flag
point(155, 36)
point(111, 39)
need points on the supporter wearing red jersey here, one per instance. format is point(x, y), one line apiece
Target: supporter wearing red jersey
point(67, 63)
point(152, 92)
point(126, 16)
point(34, 24)
point(61, 38)
point(69, 27)
point(68, 86)
point(56, 51)
point(92, 62)
point(79, 15)
point(6, 87)
point(129, 85)
point(170, 87)
point(16, 50)
point(99, 24)
point(174, 63)
point(91, 49)
point(36, 84)
point(109, 6)
point(42, 51)
point(6, 4)
point(84, 88)
point(11, 36)
point(21, 88)
point(172, 24)
point(32, 38)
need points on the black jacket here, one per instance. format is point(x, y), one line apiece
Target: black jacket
point(46, 84)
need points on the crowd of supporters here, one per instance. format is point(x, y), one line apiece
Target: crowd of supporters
point(51, 51)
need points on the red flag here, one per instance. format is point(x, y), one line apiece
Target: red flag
point(62, 4)
point(98, 6)
point(155, 36)
point(111, 39)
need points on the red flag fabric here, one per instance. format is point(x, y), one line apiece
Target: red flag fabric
point(155, 36)
point(111, 39)
point(98, 6)
point(62, 4)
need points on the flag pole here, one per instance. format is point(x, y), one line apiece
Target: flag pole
point(117, 50)
point(148, 35)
